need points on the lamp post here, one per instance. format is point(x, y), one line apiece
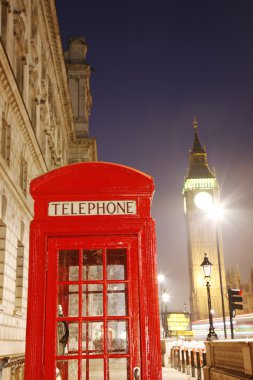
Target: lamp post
point(221, 282)
point(205, 201)
point(216, 214)
point(161, 279)
point(207, 268)
point(165, 299)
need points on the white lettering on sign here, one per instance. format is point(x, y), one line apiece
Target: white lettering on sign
point(87, 208)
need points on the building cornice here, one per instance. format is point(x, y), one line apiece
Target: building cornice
point(200, 184)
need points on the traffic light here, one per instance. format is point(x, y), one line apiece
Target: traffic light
point(235, 303)
point(235, 299)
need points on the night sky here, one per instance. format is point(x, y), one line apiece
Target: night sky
point(158, 64)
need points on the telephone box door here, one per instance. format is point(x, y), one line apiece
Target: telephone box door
point(92, 311)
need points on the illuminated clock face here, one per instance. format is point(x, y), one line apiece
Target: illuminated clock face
point(203, 200)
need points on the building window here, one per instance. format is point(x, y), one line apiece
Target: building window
point(19, 291)
point(23, 175)
point(5, 141)
point(2, 257)
point(33, 113)
point(4, 19)
point(20, 73)
point(34, 20)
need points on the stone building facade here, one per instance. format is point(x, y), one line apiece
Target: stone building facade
point(40, 130)
point(234, 282)
point(201, 194)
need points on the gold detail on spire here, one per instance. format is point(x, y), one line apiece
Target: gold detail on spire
point(195, 123)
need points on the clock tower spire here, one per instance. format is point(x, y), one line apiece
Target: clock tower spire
point(201, 193)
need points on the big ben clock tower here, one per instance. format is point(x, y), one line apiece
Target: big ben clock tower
point(201, 195)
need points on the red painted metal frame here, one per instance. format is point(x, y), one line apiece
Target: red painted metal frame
point(93, 181)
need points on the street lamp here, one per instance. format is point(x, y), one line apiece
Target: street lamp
point(215, 212)
point(165, 297)
point(204, 201)
point(165, 300)
point(207, 268)
point(161, 279)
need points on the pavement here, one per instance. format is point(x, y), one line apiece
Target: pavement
point(173, 374)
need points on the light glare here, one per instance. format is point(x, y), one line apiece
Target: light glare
point(215, 212)
point(161, 278)
point(166, 297)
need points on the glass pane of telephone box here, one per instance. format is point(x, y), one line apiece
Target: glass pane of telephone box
point(68, 300)
point(93, 264)
point(93, 369)
point(117, 337)
point(68, 265)
point(67, 370)
point(118, 369)
point(93, 338)
point(92, 300)
point(116, 299)
point(116, 264)
point(67, 338)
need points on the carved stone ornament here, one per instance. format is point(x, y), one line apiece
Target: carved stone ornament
point(19, 30)
point(33, 76)
point(34, 51)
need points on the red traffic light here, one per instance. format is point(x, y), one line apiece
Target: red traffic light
point(235, 299)
point(236, 292)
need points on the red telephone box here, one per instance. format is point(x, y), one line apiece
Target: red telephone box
point(92, 302)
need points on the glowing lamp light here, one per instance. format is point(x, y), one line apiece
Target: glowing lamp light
point(216, 212)
point(203, 200)
point(207, 267)
point(161, 278)
point(166, 297)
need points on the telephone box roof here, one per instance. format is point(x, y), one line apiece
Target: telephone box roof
point(95, 177)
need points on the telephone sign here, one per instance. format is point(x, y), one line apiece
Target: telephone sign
point(92, 302)
point(92, 208)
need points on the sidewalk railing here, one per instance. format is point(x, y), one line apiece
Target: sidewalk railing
point(229, 359)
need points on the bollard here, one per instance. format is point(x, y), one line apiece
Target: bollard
point(203, 363)
point(175, 358)
point(198, 365)
point(179, 359)
point(172, 357)
point(187, 362)
point(192, 364)
point(183, 361)
point(204, 359)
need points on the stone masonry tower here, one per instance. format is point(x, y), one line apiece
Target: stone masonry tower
point(201, 195)
point(79, 84)
point(78, 73)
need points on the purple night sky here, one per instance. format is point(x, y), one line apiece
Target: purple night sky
point(158, 64)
